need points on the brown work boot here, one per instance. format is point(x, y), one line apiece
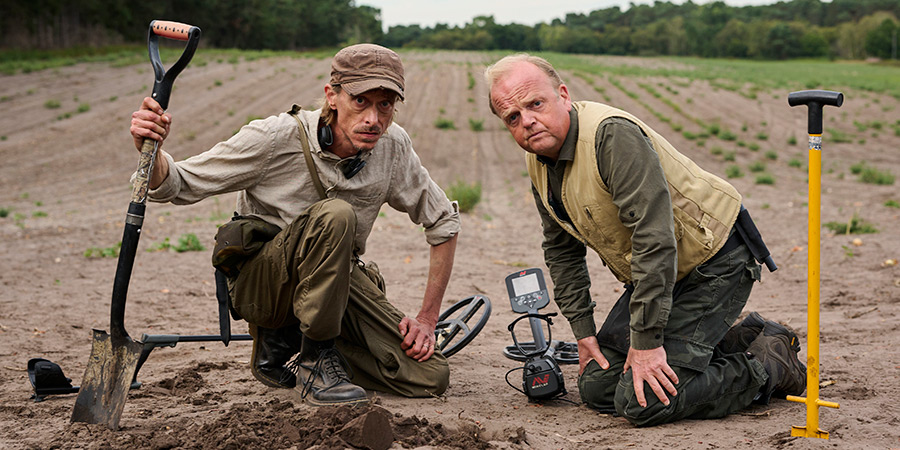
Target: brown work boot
point(323, 379)
point(787, 375)
point(272, 349)
point(739, 337)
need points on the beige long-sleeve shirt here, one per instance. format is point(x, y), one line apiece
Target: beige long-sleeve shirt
point(265, 162)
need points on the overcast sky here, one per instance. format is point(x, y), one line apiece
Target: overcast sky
point(527, 12)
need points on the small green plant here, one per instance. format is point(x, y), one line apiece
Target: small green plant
point(762, 136)
point(217, 82)
point(716, 150)
point(730, 156)
point(855, 225)
point(771, 154)
point(471, 80)
point(689, 135)
point(848, 251)
point(39, 214)
point(107, 252)
point(857, 168)
point(113, 98)
point(757, 166)
point(733, 171)
point(714, 129)
point(189, 242)
point(468, 195)
point(872, 175)
point(444, 124)
point(889, 204)
point(838, 136)
point(4, 212)
point(741, 144)
point(794, 162)
point(476, 125)
point(754, 147)
point(52, 104)
point(83, 108)
point(765, 179)
point(792, 140)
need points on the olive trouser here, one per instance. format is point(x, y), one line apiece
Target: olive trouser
point(710, 384)
point(308, 276)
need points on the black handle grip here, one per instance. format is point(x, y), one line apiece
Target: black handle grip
point(162, 87)
point(815, 100)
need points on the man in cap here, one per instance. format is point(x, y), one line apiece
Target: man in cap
point(306, 290)
point(670, 231)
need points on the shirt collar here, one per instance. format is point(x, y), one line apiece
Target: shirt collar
point(567, 151)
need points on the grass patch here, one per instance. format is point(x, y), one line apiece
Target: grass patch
point(716, 150)
point(476, 125)
point(188, 242)
point(871, 175)
point(792, 140)
point(765, 179)
point(771, 154)
point(52, 104)
point(471, 80)
point(4, 212)
point(444, 124)
point(889, 204)
point(753, 146)
point(468, 195)
point(839, 137)
point(757, 167)
point(855, 225)
point(794, 162)
point(762, 136)
point(733, 172)
point(106, 252)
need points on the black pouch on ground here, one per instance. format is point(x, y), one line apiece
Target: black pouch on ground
point(240, 239)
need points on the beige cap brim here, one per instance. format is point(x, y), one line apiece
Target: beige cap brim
point(359, 87)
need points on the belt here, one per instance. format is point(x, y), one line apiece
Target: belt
point(734, 241)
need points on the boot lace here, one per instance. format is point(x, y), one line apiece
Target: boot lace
point(330, 364)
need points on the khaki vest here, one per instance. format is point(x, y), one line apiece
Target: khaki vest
point(704, 206)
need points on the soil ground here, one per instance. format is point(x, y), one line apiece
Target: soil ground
point(64, 184)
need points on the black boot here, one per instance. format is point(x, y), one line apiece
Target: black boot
point(787, 375)
point(323, 379)
point(739, 337)
point(272, 349)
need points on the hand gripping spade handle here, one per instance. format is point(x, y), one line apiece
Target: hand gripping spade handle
point(114, 356)
point(815, 101)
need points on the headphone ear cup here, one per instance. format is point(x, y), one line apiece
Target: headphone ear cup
point(326, 138)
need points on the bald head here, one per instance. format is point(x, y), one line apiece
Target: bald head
point(507, 64)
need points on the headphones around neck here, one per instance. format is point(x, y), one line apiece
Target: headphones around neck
point(352, 167)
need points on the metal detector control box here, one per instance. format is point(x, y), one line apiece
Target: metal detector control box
point(527, 290)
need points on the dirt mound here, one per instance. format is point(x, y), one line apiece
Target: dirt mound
point(280, 424)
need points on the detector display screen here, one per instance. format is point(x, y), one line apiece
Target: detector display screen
point(525, 285)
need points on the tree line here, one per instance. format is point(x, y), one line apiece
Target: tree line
point(853, 29)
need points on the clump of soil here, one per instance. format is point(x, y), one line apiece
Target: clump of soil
point(281, 424)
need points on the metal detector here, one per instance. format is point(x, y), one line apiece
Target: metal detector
point(542, 379)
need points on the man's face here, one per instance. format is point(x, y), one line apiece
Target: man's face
point(361, 119)
point(536, 113)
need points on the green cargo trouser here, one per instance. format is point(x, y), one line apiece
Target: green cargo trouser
point(308, 276)
point(711, 385)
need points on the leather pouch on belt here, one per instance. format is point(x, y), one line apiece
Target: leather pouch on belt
point(240, 239)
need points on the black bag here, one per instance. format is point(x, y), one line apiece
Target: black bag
point(240, 239)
